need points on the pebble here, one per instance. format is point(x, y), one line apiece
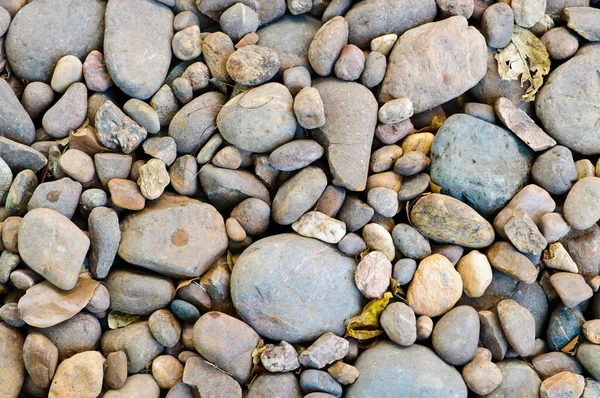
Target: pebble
point(373, 274)
point(411, 163)
point(187, 43)
point(10, 231)
point(484, 112)
point(153, 179)
point(533, 200)
point(571, 288)
point(78, 165)
point(584, 21)
point(165, 328)
point(313, 380)
point(379, 239)
point(133, 385)
point(325, 350)
point(383, 159)
point(588, 356)
point(216, 48)
point(226, 342)
point(395, 111)
point(61, 195)
point(296, 78)
point(197, 74)
point(410, 242)
point(399, 323)
point(560, 43)
point(239, 20)
point(554, 170)
point(456, 334)
point(295, 155)
point(183, 173)
point(152, 30)
point(585, 168)
point(482, 376)
point(92, 198)
point(40, 357)
point(524, 234)
point(591, 331)
point(185, 311)
point(390, 367)
point(268, 119)
point(227, 188)
point(298, 195)
point(384, 44)
point(253, 65)
point(476, 273)
point(404, 270)
point(117, 130)
point(125, 296)
point(267, 385)
point(68, 70)
point(450, 8)
point(343, 373)
point(462, 167)
point(350, 63)
point(309, 109)
point(115, 372)
point(320, 226)
point(435, 287)
point(552, 363)
point(167, 371)
point(37, 98)
point(505, 258)
point(374, 71)
point(78, 334)
point(352, 245)
point(563, 326)
point(68, 113)
point(562, 384)
point(165, 104)
point(280, 358)
point(518, 325)
point(80, 376)
point(327, 44)
point(95, 73)
point(518, 379)
point(581, 203)
point(126, 194)
point(143, 114)
point(20, 157)
point(209, 380)
point(528, 12)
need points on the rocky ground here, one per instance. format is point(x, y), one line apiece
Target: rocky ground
point(311, 198)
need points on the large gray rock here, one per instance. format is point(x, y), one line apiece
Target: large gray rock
point(15, 123)
point(44, 31)
point(260, 119)
point(567, 104)
point(479, 163)
point(435, 62)
point(369, 19)
point(20, 157)
point(348, 131)
point(138, 292)
point(137, 45)
point(292, 288)
point(411, 372)
point(290, 37)
point(195, 123)
point(175, 236)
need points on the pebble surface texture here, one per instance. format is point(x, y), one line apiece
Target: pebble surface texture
point(299, 198)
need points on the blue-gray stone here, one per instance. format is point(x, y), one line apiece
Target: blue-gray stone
point(313, 380)
point(482, 164)
point(292, 288)
point(588, 355)
point(15, 123)
point(518, 380)
point(564, 325)
point(185, 311)
point(389, 370)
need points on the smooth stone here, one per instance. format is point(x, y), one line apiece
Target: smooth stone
point(373, 18)
point(552, 363)
point(259, 120)
point(295, 155)
point(410, 242)
point(45, 31)
point(309, 109)
point(320, 226)
point(565, 324)
point(59, 263)
point(290, 36)
point(238, 20)
point(227, 342)
point(421, 76)
point(444, 219)
point(518, 325)
point(373, 273)
point(186, 224)
point(80, 376)
point(77, 334)
point(136, 341)
point(78, 165)
point(40, 357)
point(414, 370)
point(253, 215)
point(456, 334)
point(327, 44)
point(491, 334)
point(208, 380)
point(195, 123)
point(138, 292)
point(554, 170)
point(588, 355)
point(435, 287)
point(68, 70)
point(518, 380)
point(374, 71)
point(269, 385)
point(522, 232)
point(484, 178)
point(133, 385)
point(348, 159)
point(561, 43)
point(399, 323)
point(482, 376)
point(564, 384)
point(95, 74)
point(267, 10)
point(476, 273)
point(183, 174)
point(15, 122)
point(571, 288)
point(263, 299)
point(562, 95)
point(581, 208)
point(61, 195)
point(143, 114)
point(298, 195)
point(21, 157)
point(105, 235)
point(312, 380)
point(227, 188)
point(165, 104)
point(505, 258)
point(584, 21)
point(151, 30)
point(528, 12)
point(37, 98)
point(12, 370)
point(582, 246)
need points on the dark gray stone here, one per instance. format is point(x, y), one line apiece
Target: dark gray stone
point(410, 242)
point(137, 292)
point(281, 299)
point(298, 195)
point(480, 163)
point(105, 235)
point(456, 334)
point(44, 31)
point(62, 196)
point(564, 325)
point(68, 113)
point(312, 380)
point(415, 371)
point(137, 45)
point(227, 188)
point(15, 123)
point(588, 355)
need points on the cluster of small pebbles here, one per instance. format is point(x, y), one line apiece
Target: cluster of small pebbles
point(301, 198)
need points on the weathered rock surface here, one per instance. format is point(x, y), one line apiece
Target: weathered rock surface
point(15, 122)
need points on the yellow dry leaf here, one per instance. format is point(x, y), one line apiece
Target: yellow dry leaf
point(118, 319)
point(366, 325)
point(433, 127)
point(525, 58)
point(397, 290)
point(571, 345)
point(257, 352)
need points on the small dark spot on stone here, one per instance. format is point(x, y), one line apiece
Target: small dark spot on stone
point(179, 238)
point(53, 196)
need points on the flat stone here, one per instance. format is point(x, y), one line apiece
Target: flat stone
point(414, 370)
point(518, 379)
point(524, 234)
point(80, 376)
point(151, 30)
point(491, 334)
point(348, 158)
point(571, 288)
point(43, 32)
point(313, 380)
point(522, 125)
point(179, 237)
point(325, 350)
point(581, 208)
point(208, 380)
point(456, 334)
point(562, 95)
point(373, 18)
point(444, 219)
point(295, 155)
point(478, 162)
point(452, 49)
point(227, 188)
point(518, 326)
point(563, 384)
point(21, 157)
point(15, 122)
point(564, 325)
point(505, 258)
point(584, 21)
point(61, 195)
point(12, 370)
point(552, 363)
point(298, 195)
point(58, 263)
point(588, 355)
point(269, 300)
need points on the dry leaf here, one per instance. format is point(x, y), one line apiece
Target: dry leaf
point(525, 57)
point(45, 305)
point(257, 352)
point(571, 345)
point(433, 127)
point(118, 319)
point(397, 290)
point(366, 325)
